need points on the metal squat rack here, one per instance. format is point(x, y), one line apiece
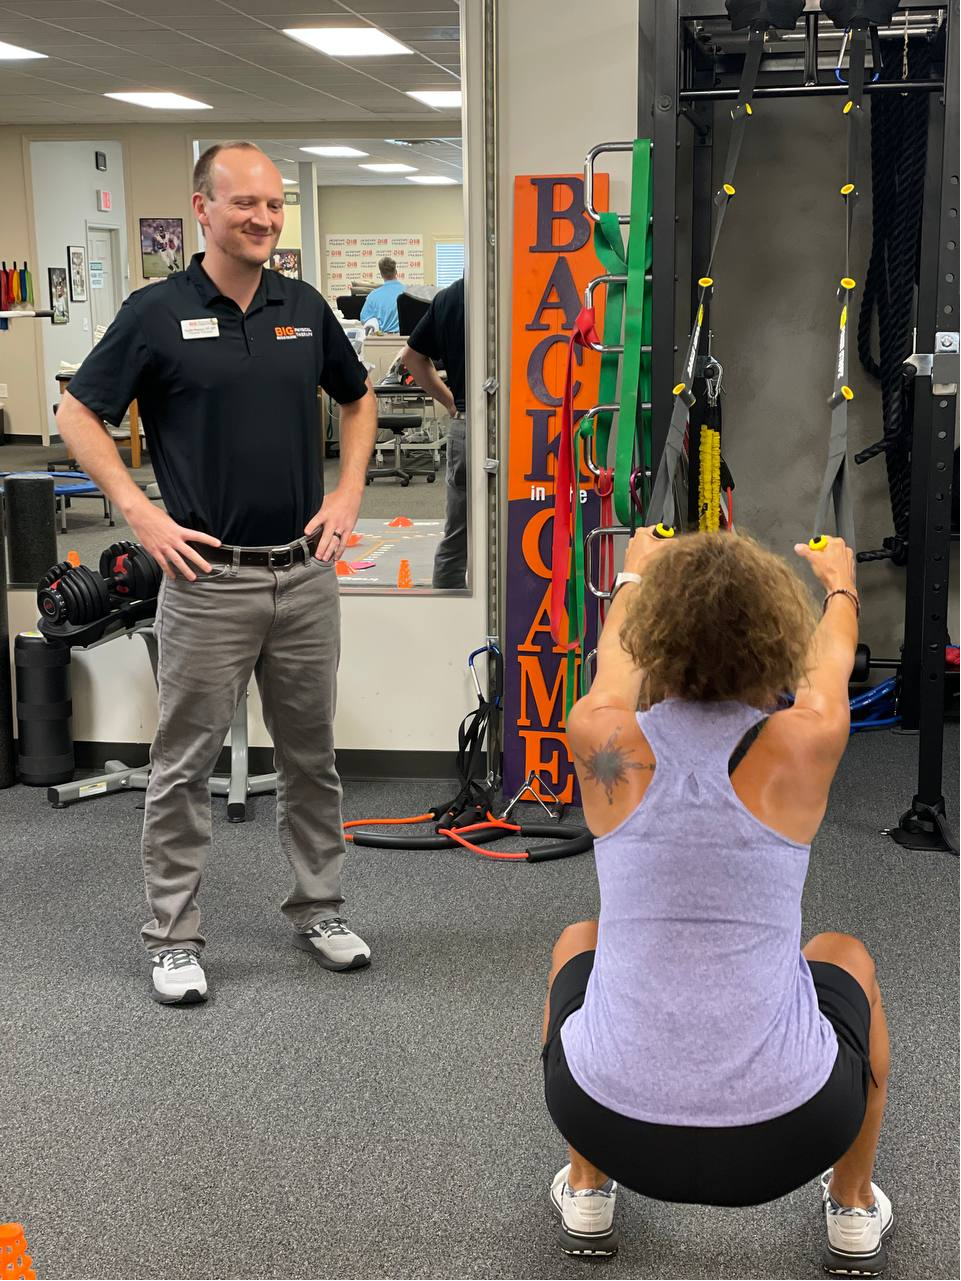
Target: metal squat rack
point(686, 74)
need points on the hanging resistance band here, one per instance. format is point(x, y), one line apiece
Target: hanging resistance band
point(567, 579)
point(660, 508)
point(834, 491)
point(636, 363)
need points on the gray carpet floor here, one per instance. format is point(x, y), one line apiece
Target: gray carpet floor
point(390, 1122)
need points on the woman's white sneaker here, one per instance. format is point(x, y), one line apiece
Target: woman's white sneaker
point(335, 946)
point(178, 977)
point(856, 1238)
point(587, 1217)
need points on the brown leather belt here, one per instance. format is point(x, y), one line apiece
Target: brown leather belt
point(290, 554)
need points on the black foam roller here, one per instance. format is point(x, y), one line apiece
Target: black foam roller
point(7, 771)
point(31, 527)
point(44, 709)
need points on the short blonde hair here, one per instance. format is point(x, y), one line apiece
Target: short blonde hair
point(719, 617)
point(204, 168)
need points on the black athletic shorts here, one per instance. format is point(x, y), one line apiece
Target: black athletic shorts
point(729, 1165)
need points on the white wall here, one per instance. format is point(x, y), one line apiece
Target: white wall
point(65, 185)
point(436, 213)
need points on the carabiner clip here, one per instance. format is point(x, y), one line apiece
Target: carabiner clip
point(844, 44)
point(495, 679)
point(713, 381)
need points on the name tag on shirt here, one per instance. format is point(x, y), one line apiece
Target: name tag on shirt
point(204, 327)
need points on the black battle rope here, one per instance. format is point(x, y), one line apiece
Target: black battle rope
point(899, 144)
point(660, 509)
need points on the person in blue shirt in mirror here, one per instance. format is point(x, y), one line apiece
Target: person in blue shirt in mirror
point(381, 303)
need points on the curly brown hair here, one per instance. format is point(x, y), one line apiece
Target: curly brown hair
point(719, 617)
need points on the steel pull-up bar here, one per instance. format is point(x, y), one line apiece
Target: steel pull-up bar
point(813, 91)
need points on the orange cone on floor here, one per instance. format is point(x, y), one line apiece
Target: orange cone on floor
point(353, 540)
point(400, 522)
point(343, 569)
point(15, 1263)
point(403, 575)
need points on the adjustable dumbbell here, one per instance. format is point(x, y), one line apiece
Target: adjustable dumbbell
point(76, 595)
point(72, 594)
point(129, 572)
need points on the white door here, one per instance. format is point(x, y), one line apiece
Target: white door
point(103, 275)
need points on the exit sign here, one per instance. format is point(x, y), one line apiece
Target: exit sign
point(104, 201)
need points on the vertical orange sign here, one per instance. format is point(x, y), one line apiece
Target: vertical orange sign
point(553, 262)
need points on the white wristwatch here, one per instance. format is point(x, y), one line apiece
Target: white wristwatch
point(623, 577)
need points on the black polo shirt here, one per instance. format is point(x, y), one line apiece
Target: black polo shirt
point(228, 399)
point(440, 335)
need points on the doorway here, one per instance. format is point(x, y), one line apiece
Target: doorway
point(104, 276)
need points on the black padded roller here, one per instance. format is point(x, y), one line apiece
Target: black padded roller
point(782, 14)
point(31, 527)
point(43, 712)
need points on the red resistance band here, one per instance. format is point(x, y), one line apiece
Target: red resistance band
point(565, 487)
point(456, 834)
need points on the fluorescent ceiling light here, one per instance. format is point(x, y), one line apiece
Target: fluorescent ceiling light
point(348, 42)
point(389, 168)
point(335, 151)
point(15, 53)
point(289, 182)
point(161, 101)
point(435, 180)
point(436, 97)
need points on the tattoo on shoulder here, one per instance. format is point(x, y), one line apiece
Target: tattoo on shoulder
point(608, 765)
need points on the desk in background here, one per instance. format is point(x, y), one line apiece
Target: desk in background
point(134, 438)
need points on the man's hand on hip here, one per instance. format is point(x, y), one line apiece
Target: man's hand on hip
point(336, 520)
point(169, 543)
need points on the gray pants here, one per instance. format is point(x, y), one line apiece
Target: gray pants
point(212, 634)
point(450, 559)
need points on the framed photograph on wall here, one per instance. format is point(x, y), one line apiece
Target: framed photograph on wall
point(287, 262)
point(161, 247)
point(77, 266)
point(57, 282)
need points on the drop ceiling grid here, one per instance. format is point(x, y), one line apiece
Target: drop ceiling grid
point(224, 52)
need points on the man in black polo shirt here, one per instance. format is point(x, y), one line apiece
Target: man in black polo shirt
point(224, 360)
point(439, 335)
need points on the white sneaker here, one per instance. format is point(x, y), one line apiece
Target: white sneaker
point(587, 1217)
point(335, 946)
point(178, 977)
point(856, 1238)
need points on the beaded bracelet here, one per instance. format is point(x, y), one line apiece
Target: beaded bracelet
point(843, 591)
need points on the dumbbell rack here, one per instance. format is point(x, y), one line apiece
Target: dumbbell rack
point(136, 619)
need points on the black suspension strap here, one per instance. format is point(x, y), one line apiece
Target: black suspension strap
point(834, 489)
point(660, 509)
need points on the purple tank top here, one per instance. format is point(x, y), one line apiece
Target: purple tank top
point(700, 1009)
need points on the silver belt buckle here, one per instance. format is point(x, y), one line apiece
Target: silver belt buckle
point(287, 552)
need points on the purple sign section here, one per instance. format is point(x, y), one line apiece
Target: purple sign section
point(535, 670)
point(553, 261)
